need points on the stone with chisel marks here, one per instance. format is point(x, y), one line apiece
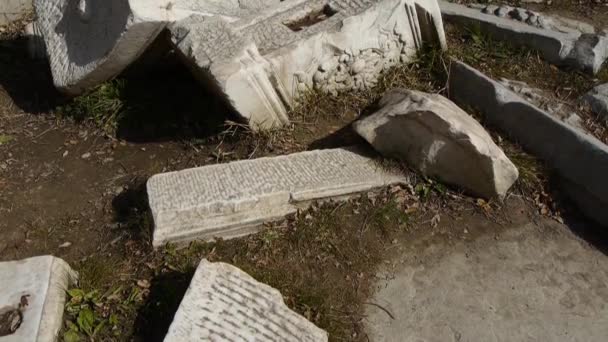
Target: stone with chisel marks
point(231, 200)
point(224, 303)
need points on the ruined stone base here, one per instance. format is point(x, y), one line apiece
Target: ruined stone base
point(224, 303)
point(34, 289)
point(263, 62)
point(230, 200)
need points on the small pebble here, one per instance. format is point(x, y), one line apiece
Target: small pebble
point(65, 244)
point(86, 155)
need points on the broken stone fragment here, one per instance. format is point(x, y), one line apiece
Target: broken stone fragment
point(560, 41)
point(224, 303)
point(262, 62)
point(32, 298)
point(597, 99)
point(435, 136)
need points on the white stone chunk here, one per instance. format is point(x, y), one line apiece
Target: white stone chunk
point(224, 303)
point(34, 290)
point(435, 136)
point(231, 200)
point(263, 61)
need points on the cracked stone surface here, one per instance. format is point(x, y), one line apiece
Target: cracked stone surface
point(224, 303)
point(536, 282)
point(560, 41)
point(233, 199)
point(36, 287)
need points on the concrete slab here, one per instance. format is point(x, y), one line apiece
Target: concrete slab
point(528, 283)
point(231, 200)
point(224, 303)
point(579, 158)
point(263, 60)
point(35, 290)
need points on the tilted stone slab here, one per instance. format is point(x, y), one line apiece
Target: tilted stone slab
point(233, 199)
point(262, 61)
point(33, 290)
point(581, 159)
point(560, 42)
point(224, 303)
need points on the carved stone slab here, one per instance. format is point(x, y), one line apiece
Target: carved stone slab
point(262, 61)
point(231, 200)
point(224, 303)
point(32, 292)
point(560, 41)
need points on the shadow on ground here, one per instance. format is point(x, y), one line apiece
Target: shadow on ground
point(132, 212)
point(28, 82)
point(155, 316)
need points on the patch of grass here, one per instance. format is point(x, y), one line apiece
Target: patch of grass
point(322, 260)
point(104, 105)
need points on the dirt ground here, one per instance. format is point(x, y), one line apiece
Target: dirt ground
point(76, 189)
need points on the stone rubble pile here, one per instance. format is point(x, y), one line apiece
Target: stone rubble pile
point(259, 54)
point(560, 41)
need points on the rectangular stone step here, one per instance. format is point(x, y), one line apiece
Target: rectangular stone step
point(231, 200)
point(224, 303)
point(32, 296)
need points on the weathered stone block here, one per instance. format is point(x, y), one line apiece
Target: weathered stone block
point(231, 200)
point(435, 136)
point(560, 41)
point(263, 61)
point(32, 296)
point(579, 158)
point(224, 303)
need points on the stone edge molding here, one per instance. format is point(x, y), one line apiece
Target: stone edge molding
point(583, 51)
point(234, 199)
point(45, 279)
point(580, 159)
point(224, 302)
point(262, 66)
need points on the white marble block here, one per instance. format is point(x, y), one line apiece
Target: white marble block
point(263, 60)
point(35, 290)
point(224, 303)
point(233, 199)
